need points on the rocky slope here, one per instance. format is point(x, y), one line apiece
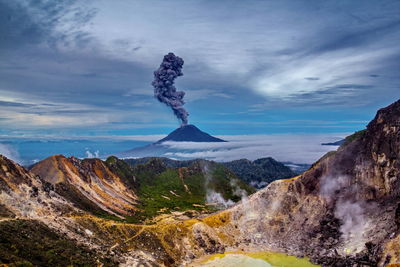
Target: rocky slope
point(89, 184)
point(35, 223)
point(59, 208)
point(24, 194)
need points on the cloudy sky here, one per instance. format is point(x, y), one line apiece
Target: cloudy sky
point(251, 67)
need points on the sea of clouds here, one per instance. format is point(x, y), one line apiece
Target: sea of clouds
point(297, 148)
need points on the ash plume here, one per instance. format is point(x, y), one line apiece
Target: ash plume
point(164, 89)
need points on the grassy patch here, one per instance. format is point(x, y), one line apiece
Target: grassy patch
point(166, 192)
point(31, 243)
point(122, 169)
point(163, 190)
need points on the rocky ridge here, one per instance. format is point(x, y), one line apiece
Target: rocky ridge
point(89, 184)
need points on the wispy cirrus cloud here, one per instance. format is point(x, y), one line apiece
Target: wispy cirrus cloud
point(338, 75)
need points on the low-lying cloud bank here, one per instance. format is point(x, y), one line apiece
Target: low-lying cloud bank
point(296, 148)
point(304, 148)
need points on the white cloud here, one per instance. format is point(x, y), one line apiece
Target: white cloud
point(304, 148)
point(90, 155)
point(272, 52)
point(344, 67)
point(24, 111)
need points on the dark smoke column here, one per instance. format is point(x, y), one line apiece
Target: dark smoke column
point(164, 89)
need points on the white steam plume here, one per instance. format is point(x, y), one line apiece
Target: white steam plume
point(352, 212)
point(215, 197)
point(9, 152)
point(92, 155)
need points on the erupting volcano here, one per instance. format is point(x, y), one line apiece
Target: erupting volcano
point(165, 92)
point(161, 148)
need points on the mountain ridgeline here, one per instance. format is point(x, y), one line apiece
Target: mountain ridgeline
point(258, 173)
point(261, 172)
point(343, 211)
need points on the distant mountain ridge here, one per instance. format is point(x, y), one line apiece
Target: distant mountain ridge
point(261, 172)
point(258, 173)
point(337, 143)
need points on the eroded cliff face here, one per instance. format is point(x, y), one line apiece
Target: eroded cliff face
point(89, 184)
point(23, 194)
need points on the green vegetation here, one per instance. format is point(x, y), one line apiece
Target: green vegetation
point(163, 189)
point(260, 172)
point(225, 182)
point(122, 169)
point(354, 137)
point(31, 243)
point(166, 192)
